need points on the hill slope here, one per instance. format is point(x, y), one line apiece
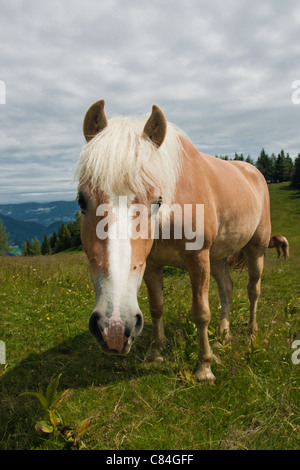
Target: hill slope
point(31, 219)
point(45, 213)
point(45, 306)
point(20, 231)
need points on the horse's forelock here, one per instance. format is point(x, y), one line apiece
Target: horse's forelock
point(122, 160)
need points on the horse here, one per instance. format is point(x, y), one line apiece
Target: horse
point(149, 162)
point(279, 241)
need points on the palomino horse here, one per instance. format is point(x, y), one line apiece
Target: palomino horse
point(152, 163)
point(279, 241)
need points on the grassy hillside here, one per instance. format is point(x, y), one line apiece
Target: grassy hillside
point(45, 304)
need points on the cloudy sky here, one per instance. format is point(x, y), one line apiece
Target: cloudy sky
point(222, 70)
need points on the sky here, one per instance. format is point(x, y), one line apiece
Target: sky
point(222, 70)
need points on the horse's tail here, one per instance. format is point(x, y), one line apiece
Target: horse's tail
point(237, 262)
point(286, 246)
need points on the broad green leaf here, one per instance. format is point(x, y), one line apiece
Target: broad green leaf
point(51, 389)
point(53, 418)
point(82, 428)
point(44, 427)
point(60, 398)
point(42, 398)
point(38, 395)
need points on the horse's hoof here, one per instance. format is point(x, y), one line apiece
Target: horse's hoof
point(205, 375)
point(152, 358)
point(206, 378)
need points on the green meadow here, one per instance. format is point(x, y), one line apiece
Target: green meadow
point(45, 303)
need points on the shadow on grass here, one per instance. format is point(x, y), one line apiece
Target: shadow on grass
point(82, 365)
point(295, 192)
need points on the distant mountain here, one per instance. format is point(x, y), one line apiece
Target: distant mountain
point(42, 213)
point(19, 231)
point(29, 220)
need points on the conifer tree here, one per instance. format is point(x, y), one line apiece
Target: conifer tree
point(263, 165)
point(280, 167)
point(4, 242)
point(35, 247)
point(295, 178)
point(53, 241)
point(46, 249)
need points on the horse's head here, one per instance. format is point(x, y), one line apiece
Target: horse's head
point(116, 223)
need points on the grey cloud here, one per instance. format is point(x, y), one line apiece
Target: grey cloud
point(221, 70)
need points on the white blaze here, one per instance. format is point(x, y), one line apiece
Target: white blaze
point(119, 248)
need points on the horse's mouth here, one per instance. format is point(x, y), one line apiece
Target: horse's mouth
point(115, 352)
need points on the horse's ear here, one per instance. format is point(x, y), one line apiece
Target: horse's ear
point(156, 126)
point(95, 120)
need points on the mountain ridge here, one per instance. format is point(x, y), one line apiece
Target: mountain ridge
point(45, 213)
point(28, 220)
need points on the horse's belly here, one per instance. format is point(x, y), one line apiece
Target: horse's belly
point(224, 249)
point(165, 253)
point(229, 242)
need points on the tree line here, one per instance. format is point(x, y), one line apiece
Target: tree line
point(275, 169)
point(67, 237)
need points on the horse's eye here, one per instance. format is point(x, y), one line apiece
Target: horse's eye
point(82, 203)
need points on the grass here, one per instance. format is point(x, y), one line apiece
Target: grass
point(45, 304)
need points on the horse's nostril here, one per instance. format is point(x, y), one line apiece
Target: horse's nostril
point(95, 325)
point(139, 323)
point(127, 332)
point(139, 320)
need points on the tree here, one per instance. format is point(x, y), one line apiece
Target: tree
point(4, 242)
point(279, 171)
point(35, 247)
point(53, 241)
point(31, 248)
point(250, 160)
point(46, 249)
point(74, 229)
point(295, 177)
point(63, 241)
point(263, 164)
point(272, 168)
point(26, 248)
point(288, 167)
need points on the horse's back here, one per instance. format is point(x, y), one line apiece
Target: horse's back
point(226, 178)
point(235, 197)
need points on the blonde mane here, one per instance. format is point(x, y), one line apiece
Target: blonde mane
point(122, 160)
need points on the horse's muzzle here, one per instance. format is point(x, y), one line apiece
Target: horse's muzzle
point(116, 337)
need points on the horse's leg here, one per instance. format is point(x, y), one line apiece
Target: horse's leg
point(278, 252)
point(255, 262)
point(198, 266)
point(153, 278)
point(219, 270)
